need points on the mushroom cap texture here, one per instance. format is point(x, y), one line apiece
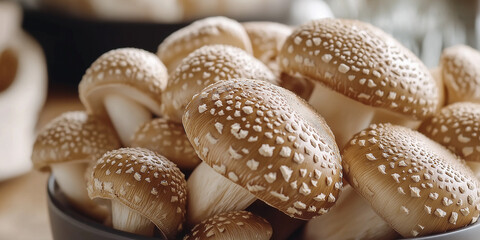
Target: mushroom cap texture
point(415, 184)
point(168, 139)
point(211, 30)
point(460, 66)
point(361, 62)
point(73, 136)
point(232, 226)
point(144, 181)
point(456, 127)
point(269, 141)
point(127, 67)
point(204, 66)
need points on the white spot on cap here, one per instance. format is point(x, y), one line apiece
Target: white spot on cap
point(453, 218)
point(233, 176)
point(285, 152)
point(280, 196)
point(202, 108)
point(266, 150)
point(343, 68)
point(304, 189)
point(440, 213)
point(299, 205)
point(370, 157)
point(286, 172)
point(326, 58)
point(252, 164)
point(137, 176)
point(270, 177)
point(414, 192)
point(320, 198)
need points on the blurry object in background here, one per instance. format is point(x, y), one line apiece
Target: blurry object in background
point(304, 10)
point(10, 18)
point(425, 27)
point(22, 93)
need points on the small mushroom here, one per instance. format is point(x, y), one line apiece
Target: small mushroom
point(359, 72)
point(261, 141)
point(66, 146)
point(212, 30)
point(412, 182)
point(125, 86)
point(461, 73)
point(205, 66)
point(145, 190)
point(232, 226)
point(168, 139)
point(457, 127)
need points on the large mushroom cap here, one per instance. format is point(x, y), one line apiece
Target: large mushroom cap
point(146, 182)
point(269, 141)
point(232, 226)
point(130, 72)
point(363, 63)
point(456, 127)
point(205, 66)
point(461, 73)
point(73, 136)
point(415, 184)
point(212, 30)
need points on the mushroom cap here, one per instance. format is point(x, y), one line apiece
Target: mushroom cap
point(144, 181)
point(363, 63)
point(456, 127)
point(268, 140)
point(73, 136)
point(414, 183)
point(232, 225)
point(205, 66)
point(461, 73)
point(129, 72)
point(168, 139)
point(211, 30)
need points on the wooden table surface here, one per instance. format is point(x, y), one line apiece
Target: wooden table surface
point(23, 200)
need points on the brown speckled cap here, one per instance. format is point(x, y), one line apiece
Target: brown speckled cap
point(456, 127)
point(73, 136)
point(205, 66)
point(130, 72)
point(461, 73)
point(414, 183)
point(168, 139)
point(144, 181)
point(363, 63)
point(232, 226)
point(269, 141)
point(212, 30)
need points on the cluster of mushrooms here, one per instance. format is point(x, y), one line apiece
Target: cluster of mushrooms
point(364, 130)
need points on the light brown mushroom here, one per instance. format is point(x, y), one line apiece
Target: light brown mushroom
point(125, 86)
point(359, 72)
point(66, 146)
point(205, 66)
point(211, 30)
point(261, 141)
point(457, 127)
point(145, 190)
point(461, 73)
point(168, 139)
point(232, 226)
point(412, 182)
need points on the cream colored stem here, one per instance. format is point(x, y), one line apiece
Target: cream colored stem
point(126, 116)
point(127, 220)
point(475, 166)
point(209, 193)
point(383, 116)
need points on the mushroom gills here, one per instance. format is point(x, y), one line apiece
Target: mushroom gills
point(126, 115)
point(213, 194)
point(125, 219)
point(475, 166)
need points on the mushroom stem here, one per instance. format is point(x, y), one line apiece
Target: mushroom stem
point(125, 219)
point(71, 180)
point(126, 116)
point(384, 116)
point(475, 166)
point(343, 115)
point(209, 193)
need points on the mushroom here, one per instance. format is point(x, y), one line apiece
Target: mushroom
point(125, 86)
point(168, 139)
point(66, 146)
point(232, 226)
point(412, 182)
point(457, 127)
point(361, 73)
point(212, 30)
point(261, 141)
point(205, 66)
point(145, 190)
point(461, 73)
point(350, 218)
